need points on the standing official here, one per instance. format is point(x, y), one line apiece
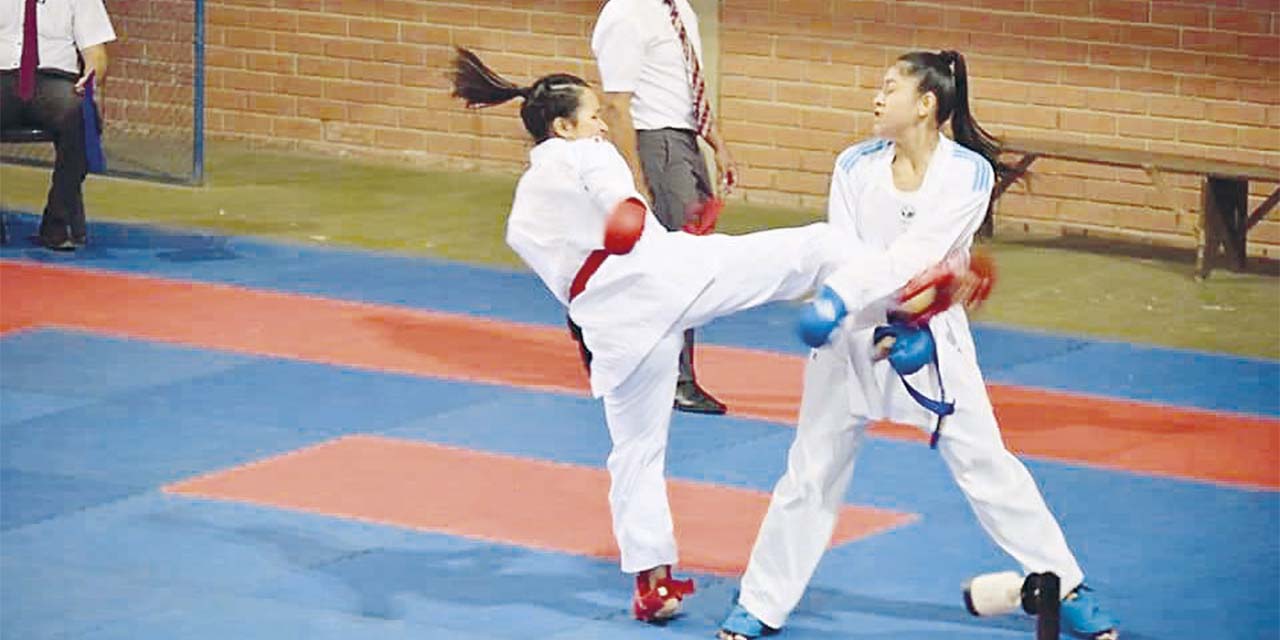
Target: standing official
point(655, 103)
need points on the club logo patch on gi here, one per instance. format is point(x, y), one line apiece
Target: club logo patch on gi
point(907, 213)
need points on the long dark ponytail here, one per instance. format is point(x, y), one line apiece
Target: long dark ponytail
point(945, 75)
point(550, 97)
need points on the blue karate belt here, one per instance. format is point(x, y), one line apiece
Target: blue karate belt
point(912, 349)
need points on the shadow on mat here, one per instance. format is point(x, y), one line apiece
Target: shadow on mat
point(385, 581)
point(107, 240)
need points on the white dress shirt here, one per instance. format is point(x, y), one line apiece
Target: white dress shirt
point(64, 27)
point(558, 218)
point(639, 51)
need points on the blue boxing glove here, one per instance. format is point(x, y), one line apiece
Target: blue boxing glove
point(912, 349)
point(820, 317)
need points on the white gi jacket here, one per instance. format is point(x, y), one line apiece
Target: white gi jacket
point(558, 219)
point(896, 235)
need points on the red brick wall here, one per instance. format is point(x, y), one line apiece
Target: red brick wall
point(362, 76)
point(796, 81)
point(151, 64)
point(1199, 78)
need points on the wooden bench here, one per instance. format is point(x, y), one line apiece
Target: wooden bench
point(1224, 220)
point(22, 135)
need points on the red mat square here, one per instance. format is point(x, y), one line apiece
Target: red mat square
point(532, 503)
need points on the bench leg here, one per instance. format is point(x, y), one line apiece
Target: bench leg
point(1225, 221)
point(1206, 231)
point(988, 228)
point(1236, 221)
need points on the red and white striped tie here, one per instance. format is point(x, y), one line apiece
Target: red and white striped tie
point(30, 58)
point(701, 108)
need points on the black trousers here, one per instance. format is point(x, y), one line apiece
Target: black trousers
point(576, 332)
point(55, 107)
point(677, 175)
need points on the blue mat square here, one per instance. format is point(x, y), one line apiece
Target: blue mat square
point(30, 496)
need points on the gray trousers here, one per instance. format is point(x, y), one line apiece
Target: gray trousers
point(677, 176)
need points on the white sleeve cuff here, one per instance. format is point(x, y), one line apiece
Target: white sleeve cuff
point(91, 24)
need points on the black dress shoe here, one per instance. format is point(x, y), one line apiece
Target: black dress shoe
point(79, 230)
point(693, 399)
point(54, 236)
point(55, 242)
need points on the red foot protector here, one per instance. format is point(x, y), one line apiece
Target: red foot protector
point(661, 599)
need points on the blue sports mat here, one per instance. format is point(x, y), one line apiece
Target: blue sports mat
point(91, 427)
point(93, 550)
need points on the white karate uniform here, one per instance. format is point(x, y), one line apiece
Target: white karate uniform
point(900, 234)
point(636, 307)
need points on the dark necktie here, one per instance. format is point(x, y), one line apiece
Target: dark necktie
point(30, 53)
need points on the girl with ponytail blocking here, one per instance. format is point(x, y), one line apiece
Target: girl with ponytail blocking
point(909, 197)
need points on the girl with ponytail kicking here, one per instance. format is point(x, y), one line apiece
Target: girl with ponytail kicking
point(909, 197)
point(631, 288)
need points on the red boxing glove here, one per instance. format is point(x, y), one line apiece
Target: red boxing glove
point(955, 280)
point(939, 277)
point(701, 217)
point(975, 287)
point(623, 227)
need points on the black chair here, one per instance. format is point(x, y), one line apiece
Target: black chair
point(21, 135)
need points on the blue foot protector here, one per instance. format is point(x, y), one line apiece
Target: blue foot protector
point(741, 624)
point(1084, 617)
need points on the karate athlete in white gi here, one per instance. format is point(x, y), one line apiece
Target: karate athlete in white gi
point(911, 197)
point(632, 288)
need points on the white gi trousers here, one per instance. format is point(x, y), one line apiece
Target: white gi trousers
point(802, 513)
point(750, 270)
